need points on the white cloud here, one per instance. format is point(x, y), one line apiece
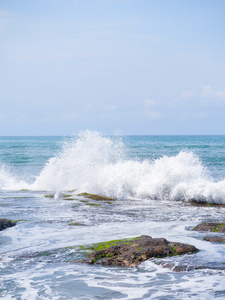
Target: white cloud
point(209, 92)
point(187, 94)
point(150, 103)
point(155, 114)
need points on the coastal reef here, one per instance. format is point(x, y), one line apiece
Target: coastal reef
point(95, 197)
point(132, 252)
point(210, 227)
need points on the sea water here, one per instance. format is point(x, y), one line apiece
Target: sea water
point(153, 179)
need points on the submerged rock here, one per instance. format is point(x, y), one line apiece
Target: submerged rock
point(214, 239)
point(5, 223)
point(204, 203)
point(132, 252)
point(212, 227)
point(95, 197)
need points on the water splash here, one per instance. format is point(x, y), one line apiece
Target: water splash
point(97, 164)
point(10, 182)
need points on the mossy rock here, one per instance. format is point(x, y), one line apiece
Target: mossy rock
point(49, 196)
point(204, 204)
point(92, 204)
point(76, 224)
point(106, 245)
point(95, 197)
point(214, 239)
point(66, 195)
point(211, 227)
point(132, 252)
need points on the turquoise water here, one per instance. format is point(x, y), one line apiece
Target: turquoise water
point(152, 179)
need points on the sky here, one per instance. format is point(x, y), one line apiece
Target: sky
point(148, 67)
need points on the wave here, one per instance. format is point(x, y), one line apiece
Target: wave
point(10, 182)
point(97, 164)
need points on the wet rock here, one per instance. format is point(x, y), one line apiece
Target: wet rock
point(214, 239)
point(132, 252)
point(204, 204)
point(76, 224)
point(212, 227)
point(178, 268)
point(5, 223)
point(95, 197)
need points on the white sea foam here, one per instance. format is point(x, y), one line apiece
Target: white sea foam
point(9, 182)
point(98, 164)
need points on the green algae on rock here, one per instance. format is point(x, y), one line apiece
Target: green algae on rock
point(132, 252)
point(49, 196)
point(76, 224)
point(214, 239)
point(92, 204)
point(204, 203)
point(212, 227)
point(95, 197)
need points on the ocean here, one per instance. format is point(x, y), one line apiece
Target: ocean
point(154, 181)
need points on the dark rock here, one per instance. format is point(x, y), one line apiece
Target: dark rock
point(132, 252)
point(212, 227)
point(5, 223)
point(214, 239)
point(203, 203)
point(178, 268)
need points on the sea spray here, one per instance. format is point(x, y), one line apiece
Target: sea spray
point(79, 163)
point(99, 164)
point(10, 182)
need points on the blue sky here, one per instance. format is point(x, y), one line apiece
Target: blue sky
point(133, 66)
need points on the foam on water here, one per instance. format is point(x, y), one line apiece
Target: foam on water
point(98, 164)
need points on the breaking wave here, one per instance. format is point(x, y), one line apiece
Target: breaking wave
point(97, 164)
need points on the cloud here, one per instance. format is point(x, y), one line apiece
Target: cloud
point(154, 114)
point(186, 94)
point(185, 97)
point(209, 92)
point(150, 103)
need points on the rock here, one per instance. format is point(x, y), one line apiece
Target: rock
point(203, 204)
point(212, 227)
point(132, 252)
point(95, 197)
point(5, 223)
point(214, 239)
point(76, 224)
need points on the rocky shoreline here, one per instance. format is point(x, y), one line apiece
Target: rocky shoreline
point(131, 252)
point(212, 227)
